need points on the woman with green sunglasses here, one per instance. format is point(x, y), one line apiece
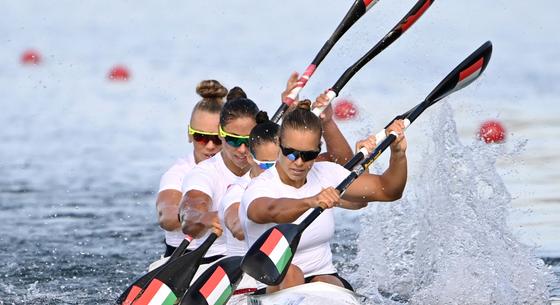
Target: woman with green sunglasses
point(207, 182)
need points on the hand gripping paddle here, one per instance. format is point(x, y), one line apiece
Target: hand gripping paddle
point(404, 24)
point(268, 258)
point(456, 80)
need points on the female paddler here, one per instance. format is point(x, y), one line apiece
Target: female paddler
point(207, 182)
point(203, 133)
point(264, 149)
point(287, 192)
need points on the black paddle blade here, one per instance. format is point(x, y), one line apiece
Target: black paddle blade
point(174, 278)
point(464, 74)
point(270, 256)
point(216, 285)
point(136, 288)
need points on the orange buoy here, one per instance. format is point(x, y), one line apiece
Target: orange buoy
point(31, 57)
point(345, 110)
point(492, 131)
point(119, 73)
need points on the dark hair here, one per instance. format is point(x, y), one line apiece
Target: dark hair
point(301, 118)
point(266, 131)
point(238, 108)
point(235, 93)
point(212, 93)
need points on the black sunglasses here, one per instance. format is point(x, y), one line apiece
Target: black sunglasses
point(293, 154)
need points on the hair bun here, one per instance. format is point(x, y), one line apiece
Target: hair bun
point(211, 89)
point(262, 117)
point(235, 93)
point(305, 105)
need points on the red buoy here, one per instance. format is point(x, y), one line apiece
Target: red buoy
point(492, 131)
point(30, 57)
point(345, 110)
point(119, 73)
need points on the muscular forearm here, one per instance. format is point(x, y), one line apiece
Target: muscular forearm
point(167, 217)
point(279, 210)
point(337, 147)
point(394, 178)
point(192, 213)
point(167, 206)
point(231, 219)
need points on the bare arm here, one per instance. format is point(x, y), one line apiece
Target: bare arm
point(231, 219)
point(167, 206)
point(338, 149)
point(286, 210)
point(390, 185)
point(196, 217)
point(386, 187)
point(351, 205)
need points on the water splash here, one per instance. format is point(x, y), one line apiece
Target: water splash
point(447, 240)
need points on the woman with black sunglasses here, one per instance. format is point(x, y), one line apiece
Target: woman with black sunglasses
point(203, 133)
point(296, 184)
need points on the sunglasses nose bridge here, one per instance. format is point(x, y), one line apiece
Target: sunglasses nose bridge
point(212, 143)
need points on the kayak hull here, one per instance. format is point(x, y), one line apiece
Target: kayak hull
point(317, 293)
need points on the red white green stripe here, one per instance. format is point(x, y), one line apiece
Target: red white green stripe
point(217, 289)
point(132, 294)
point(276, 247)
point(157, 293)
point(469, 74)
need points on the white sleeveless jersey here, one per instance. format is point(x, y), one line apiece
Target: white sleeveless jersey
point(211, 177)
point(313, 254)
point(172, 179)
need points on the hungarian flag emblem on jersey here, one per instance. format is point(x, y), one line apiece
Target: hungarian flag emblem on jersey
point(276, 247)
point(218, 288)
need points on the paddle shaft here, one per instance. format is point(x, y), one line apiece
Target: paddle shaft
point(463, 75)
point(356, 11)
point(402, 26)
point(408, 117)
point(354, 174)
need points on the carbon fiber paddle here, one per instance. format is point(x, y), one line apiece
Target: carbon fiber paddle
point(172, 280)
point(358, 9)
point(216, 285)
point(138, 286)
point(268, 258)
